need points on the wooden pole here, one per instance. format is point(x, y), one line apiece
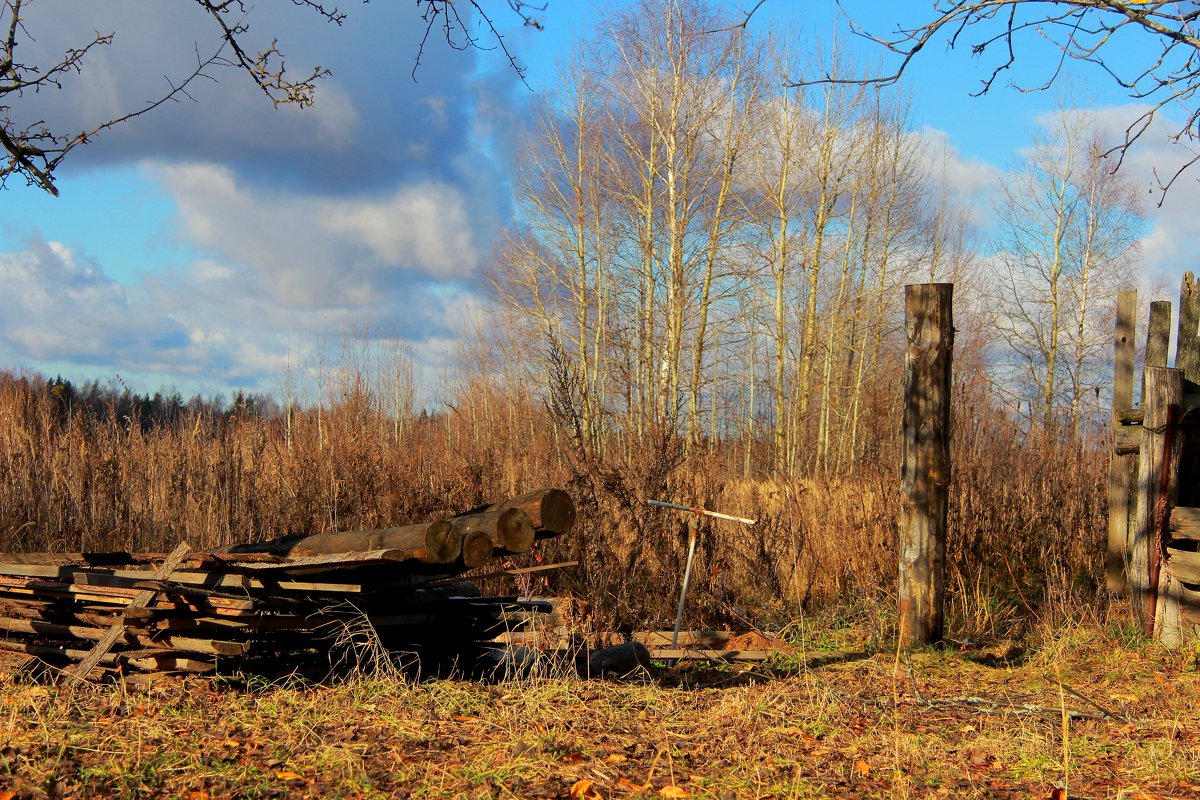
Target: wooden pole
point(1187, 361)
point(1120, 466)
point(1158, 336)
point(925, 471)
point(1156, 487)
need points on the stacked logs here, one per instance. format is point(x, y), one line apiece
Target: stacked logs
point(301, 604)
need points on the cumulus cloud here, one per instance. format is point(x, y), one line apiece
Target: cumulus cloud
point(968, 184)
point(371, 210)
point(58, 305)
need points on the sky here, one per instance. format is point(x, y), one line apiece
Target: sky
point(219, 243)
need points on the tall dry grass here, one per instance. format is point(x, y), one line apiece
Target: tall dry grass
point(1026, 521)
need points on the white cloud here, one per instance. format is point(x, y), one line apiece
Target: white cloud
point(968, 184)
point(318, 252)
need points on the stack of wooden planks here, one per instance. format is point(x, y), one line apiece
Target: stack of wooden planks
point(304, 604)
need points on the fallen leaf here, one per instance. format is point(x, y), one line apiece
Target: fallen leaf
point(191, 795)
point(979, 756)
point(287, 775)
point(7, 795)
point(574, 758)
point(625, 785)
point(862, 767)
point(582, 790)
point(615, 758)
point(673, 791)
point(1058, 793)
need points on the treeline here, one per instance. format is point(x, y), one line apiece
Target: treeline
point(113, 400)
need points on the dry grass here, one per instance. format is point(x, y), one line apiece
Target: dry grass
point(1026, 516)
point(930, 725)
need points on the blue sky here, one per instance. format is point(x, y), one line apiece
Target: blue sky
point(212, 243)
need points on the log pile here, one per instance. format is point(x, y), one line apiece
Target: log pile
point(303, 604)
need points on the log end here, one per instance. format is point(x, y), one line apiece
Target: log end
point(476, 549)
point(558, 512)
point(443, 543)
point(514, 531)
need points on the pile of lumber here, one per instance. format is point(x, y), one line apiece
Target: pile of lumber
point(302, 604)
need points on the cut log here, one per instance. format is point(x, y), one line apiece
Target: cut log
point(432, 542)
point(477, 549)
point(509, 529)
point(552, 511)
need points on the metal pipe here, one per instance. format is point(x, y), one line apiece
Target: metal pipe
point(687, 576)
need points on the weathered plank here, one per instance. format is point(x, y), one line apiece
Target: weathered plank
point(1183, 564)
point(1156, 489)
point(93, 634)
point(1185, 523)
point(143, 599)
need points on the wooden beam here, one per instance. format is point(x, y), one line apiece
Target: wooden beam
point(1156, 485)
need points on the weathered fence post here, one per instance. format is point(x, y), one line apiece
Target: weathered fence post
point(1187, 361)
point(925, 471)
point(1121, 464)
point(1157, 473)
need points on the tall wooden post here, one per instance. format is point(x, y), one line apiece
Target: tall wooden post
point(925, 472)
point(1187, 360)
point(1157, 471)
point(1120, 465)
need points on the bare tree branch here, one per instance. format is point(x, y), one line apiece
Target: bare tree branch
point(34, 151)
point(1081, 30)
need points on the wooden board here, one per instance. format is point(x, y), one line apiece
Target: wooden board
point(1185, 523)
point(1183, 564)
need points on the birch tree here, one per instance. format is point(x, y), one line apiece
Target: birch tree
point(1066, 223)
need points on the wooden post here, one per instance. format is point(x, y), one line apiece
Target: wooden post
point(1120, 465)
point(1187, 345)
point(1187, 361)
point(925, 471)
point(1156, 487)
point(1158, 336)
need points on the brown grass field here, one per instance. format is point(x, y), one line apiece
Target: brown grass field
point(1089, 708)
point(1042, 687)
